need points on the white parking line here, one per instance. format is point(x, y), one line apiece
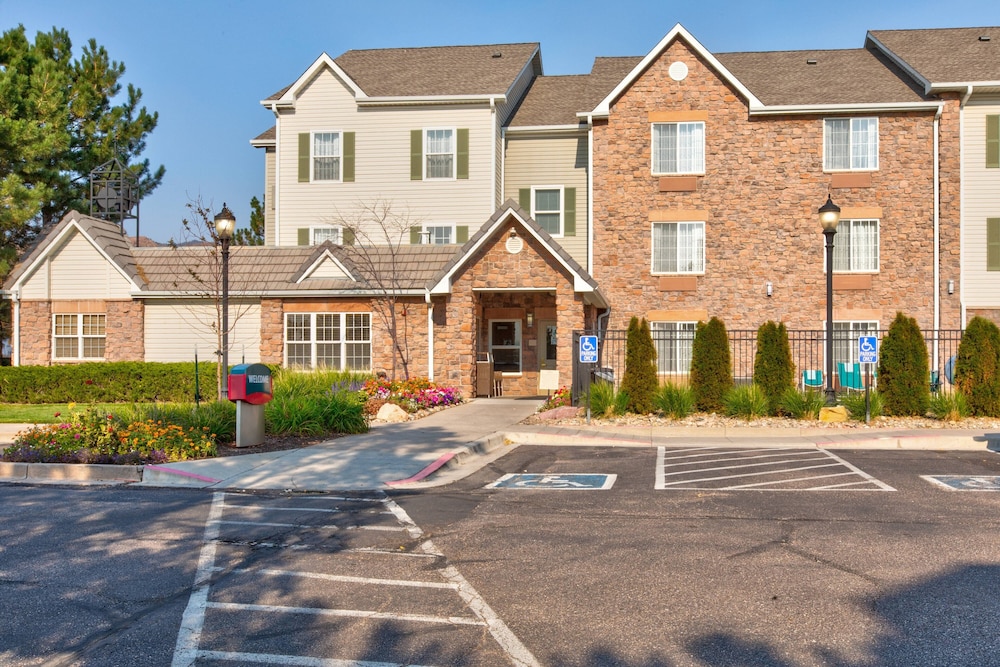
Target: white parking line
point(294, 660)
point(387, 529)
point(340, 578)
point(349, 613)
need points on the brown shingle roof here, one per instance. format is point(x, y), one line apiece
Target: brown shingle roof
point(947, 55)
point(849, 76)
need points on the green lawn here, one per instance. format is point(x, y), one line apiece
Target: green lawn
point(44, 413)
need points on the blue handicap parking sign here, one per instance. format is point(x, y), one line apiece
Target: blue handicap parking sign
point(564, 482)
point(868, 350)
point(588, 349)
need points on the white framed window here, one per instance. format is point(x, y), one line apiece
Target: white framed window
point(856, 246)
point(674, 341)
point(318, 235)
point(78, 335)
point(678, 148)
point(678, 247)
point(505, 345)
point(439, 234)
point(850, 144)
point(340, 341)
point(439, 153)
point(547, 208)
point(845, 339)
point(326, 156)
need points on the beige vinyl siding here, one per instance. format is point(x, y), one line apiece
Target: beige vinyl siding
point(76, 270)
point(552, 159)
point(980, 200)
point(269, 163)
point(503, 114)
point(175, 327)
point(382, 161)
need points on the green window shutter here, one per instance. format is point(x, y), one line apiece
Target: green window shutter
point(303, 236)
point(524, 199)
point(416, 155)
point(993, 142)
point(348, 236)
point(569, 211)
point(348, 157)
point(415, 235)
point(462, 162)
point(462, 234)
point(993, 244)
point(304, 157)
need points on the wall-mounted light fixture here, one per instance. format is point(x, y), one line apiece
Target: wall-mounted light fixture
point(513, 233)
point(769, 288)
point(531, 319)
point(951, 287)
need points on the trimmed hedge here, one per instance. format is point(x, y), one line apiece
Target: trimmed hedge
point(106, 382)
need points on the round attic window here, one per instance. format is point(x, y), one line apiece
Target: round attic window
point(678, 71)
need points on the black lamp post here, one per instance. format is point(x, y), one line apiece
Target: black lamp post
point(225, 223)
point(829, 216)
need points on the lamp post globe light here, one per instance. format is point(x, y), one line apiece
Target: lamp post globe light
point(225, 224)
point(829, 216)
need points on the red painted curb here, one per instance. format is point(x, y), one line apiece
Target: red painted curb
point(183, 473)
point(426, 472)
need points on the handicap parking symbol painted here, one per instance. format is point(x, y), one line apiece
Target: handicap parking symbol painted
point(566, 482)
point(966, 482)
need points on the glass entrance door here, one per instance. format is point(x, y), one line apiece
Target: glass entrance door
point(547, 345)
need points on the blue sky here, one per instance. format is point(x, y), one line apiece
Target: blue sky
point(204, 65)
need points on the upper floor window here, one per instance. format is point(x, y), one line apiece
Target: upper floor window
point(547, 209)
point(439, 234)
point(320, 234)
point(326, 156)
point(678, 247)
point(679, 148)
point(856, 246)
point(993, 142)
point(440, 154)
point(850, 144)
point(78, 336)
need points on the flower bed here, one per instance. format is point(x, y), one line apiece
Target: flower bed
point(412, 395)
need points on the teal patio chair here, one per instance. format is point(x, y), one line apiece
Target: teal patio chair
point(850, 376)
point(812, 379)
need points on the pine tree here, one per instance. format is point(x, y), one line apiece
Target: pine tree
point(711, 365)
point(773, 369)
point(903, 369)
point(640, 379)
point(977, 367)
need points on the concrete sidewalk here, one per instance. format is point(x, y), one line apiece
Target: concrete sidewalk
point(432, 451)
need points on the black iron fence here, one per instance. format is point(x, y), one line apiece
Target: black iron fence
point(808, 347)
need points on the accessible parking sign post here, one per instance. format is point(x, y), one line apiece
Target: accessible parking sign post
point(868, 355)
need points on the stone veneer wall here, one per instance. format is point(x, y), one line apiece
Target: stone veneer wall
point(759, 196)
point(125, 331)
point(35, 334)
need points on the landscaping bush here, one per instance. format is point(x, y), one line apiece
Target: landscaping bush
point(949, 407)
point(606, 401)
point(801, 404)
point(561, 398)
point(747, 401)
point(855, 404)
point(674, 401)
point(104, 382)
point(711, 365)
point(773, 369)
point(903, 369)
point(95, 436)
point(639, 381)
point(977, 367)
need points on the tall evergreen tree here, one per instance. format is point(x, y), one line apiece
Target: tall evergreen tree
point(903, 369)
point(58, 122)
point(977, 367)
point(773, 368)
point(254, 234)
point(711, 365)
point(639, 381)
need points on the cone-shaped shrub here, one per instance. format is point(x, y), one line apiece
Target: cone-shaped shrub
point(639, 381)
point(977, 367)
point(903, 377)
point(773, 369)
point(711, 366)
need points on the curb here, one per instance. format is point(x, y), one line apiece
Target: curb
point(70, 472)
point(455, 458)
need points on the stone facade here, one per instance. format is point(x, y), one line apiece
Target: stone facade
point(35, 318)
point(763, 184)
point(125, 331)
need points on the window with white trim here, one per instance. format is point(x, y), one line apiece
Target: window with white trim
point(440, 234)
point(340, 341)
point(326, 155)
point(547, 208)
point(850, 144)
point(78, 335)
point(845, 339)
point(856, 246)
point(678, 247)
point(320, 234)
point(505, 345)
point(674, 341)
point(678, 148)
point(439, 153)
